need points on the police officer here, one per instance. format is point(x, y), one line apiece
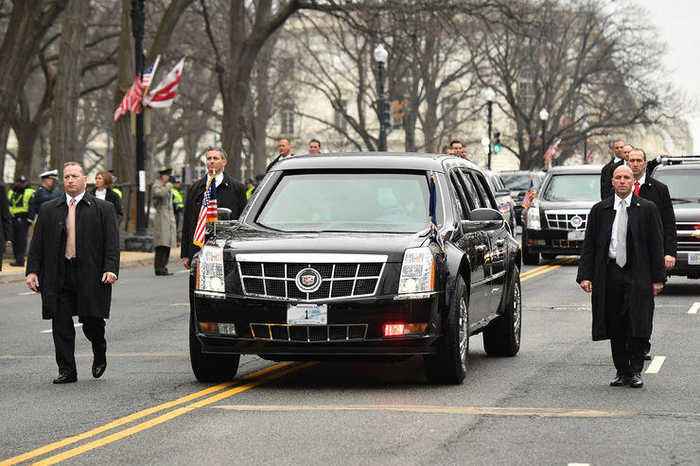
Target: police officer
point(178, 204)
point(45, 192)
point(19, 197)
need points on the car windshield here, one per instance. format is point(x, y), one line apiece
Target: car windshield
point(681, 184)
point(361, 202)
point(519, 181)
point(573, 187)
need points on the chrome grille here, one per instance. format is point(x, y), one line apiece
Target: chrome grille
point(688, 236)
point(566, 244)
point(308, 333)
point(561, 219)
point(338, 280)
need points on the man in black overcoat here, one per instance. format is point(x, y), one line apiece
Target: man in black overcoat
point(622, 265)
point(228, 192)
point(606, 189)
point(73, 262)
point(5, 222)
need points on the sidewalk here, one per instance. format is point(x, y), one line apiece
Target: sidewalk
point(128, 259)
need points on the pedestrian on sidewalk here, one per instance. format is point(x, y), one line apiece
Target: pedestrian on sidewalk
point(73, 262)
point(622, 265)
point(5, 222)
point(228, 192)
point(164, 224)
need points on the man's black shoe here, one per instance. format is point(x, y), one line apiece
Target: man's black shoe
point(17, 264)
point(163, 272)
point(99, 365)
point(65, 378)
point(647, 357)
point(636, 380)
point(620, 381)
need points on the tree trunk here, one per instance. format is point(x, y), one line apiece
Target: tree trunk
point(124, 158)
point(26, 139)
point(4, 136)
point(64, 119)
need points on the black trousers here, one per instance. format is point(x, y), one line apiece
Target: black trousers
point(20, 229)
point(62, 324)
point(627, 351)
point(160, 262)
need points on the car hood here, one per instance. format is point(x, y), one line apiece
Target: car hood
point(552, 205)
point(244, 238)
point(687, 212)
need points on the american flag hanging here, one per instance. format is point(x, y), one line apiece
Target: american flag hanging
point(131, 101)
point(207, 213)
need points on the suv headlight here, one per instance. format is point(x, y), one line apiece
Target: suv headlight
point(210, 270)
point(417, 271)
point(533, 217)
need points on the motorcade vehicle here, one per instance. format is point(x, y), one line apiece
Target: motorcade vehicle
point(555, 222)
point(682, 176)
point(504, 200)
point(519, 182)
point(358, 256)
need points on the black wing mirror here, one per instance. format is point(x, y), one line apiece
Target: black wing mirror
point(223, 213)
point(483, 219)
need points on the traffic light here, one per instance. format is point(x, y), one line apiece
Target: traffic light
point(497, 146)
point(385, 113)
point(398, 107)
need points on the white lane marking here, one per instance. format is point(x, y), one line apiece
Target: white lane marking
point(694, 308)
point(579, 464)
point(27, 293)
point(180, 272)
point(655, 365)
point(180, 304)
point(51, 331)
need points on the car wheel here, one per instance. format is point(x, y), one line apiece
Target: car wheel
point(449, 365)
point(529, 258)
point(502, 336)
point(210, 367)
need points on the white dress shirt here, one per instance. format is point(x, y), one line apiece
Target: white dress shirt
point(77, 198)
point(217, 179)
point(612, 250)
point(101, 194)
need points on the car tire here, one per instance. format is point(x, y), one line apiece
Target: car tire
point(449, 365)
point(210, 367)
point(502, 336)
point(529, 258)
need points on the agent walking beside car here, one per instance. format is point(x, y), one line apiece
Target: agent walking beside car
point(228, 192)
point(622, 265)
point(73, 261)
point(606, 173)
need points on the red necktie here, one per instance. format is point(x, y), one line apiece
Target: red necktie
point(636, 188)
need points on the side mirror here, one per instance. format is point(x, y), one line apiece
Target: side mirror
point(483, 219)
point(223, 213)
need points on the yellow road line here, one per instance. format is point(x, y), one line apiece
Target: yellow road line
point(428, 409)
point(539, 272)
point(535, 270)
point(271, 375)
point(131, 417)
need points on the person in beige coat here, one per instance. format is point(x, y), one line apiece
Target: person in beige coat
point(164, 225)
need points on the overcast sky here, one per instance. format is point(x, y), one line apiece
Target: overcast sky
point(678, 22)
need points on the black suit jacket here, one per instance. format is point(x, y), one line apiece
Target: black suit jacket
point(606, 174)
point(229, 194)
point(657, 192)
point(111, 196)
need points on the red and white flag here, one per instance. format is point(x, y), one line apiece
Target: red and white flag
point(164, 94)
point(207, 213)
point(553, 150)
point(148, 74)
point(131, 101)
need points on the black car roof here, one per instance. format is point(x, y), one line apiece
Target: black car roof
point(575, 169)
point(372, 160)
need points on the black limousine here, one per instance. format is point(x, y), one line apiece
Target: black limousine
point(358, 256)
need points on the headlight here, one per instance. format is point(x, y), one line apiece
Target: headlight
point(417, 271)
point(210, 270)
point(533, 217)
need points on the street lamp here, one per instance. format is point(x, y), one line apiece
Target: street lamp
point(490, 96)
point(544, 116)
point(380, 56)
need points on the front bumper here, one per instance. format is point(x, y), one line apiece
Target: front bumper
point(354, 327)
point(683, 268)
point(552, 242)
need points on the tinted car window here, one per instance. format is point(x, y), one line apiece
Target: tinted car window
point(483, 188)
point(463, 204)
point(386, 202)
point(471, 189)
point(681, 184)
point(516, 182)
point(573, 187)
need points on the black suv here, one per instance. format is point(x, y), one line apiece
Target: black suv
point(519, 182)
point(682, 176)
point(357, 256)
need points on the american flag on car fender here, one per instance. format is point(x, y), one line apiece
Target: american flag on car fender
point(207, 213)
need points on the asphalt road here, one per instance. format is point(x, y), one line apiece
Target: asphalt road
point(549, 405)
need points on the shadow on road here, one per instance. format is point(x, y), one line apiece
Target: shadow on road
point(682, 287)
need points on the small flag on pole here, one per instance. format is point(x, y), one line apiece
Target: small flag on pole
point(148, 74)
point(207, 213)
point(164, 94)
point(131, 101)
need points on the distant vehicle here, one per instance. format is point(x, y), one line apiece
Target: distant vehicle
point(504, 200)
point(519, 182)
point(682, 176)
point(342, 256)
point(555, 223)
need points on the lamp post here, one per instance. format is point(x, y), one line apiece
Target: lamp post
point(137, 26)
point(490, 96)
point(380, 56)
point(544, 116)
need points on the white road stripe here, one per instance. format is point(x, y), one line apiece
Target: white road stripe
point(694, 308)
point(655, 365)
point(50, 331)
point(579, 464)
point(179, 272)
point(27, 293)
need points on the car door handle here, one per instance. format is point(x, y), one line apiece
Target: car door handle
point(500, 242)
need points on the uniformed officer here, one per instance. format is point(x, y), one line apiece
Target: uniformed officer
point(45, 192)
point(178, 204)
point(19, 197)
point(164, 225)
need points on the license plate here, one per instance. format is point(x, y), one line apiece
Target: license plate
point(576, 235)
point(307, 314)
point(694, 258)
